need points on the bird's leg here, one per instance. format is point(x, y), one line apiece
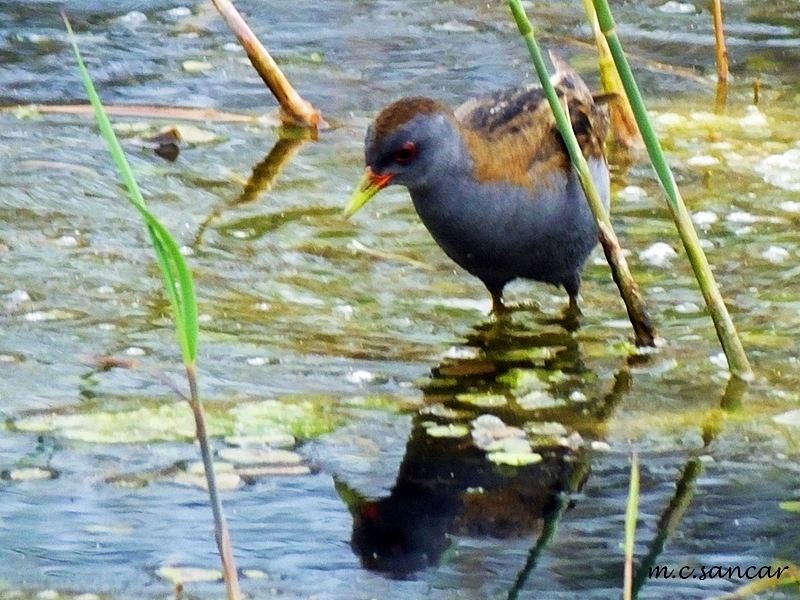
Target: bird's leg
point(573, 286)
point(498, 306)
point(573, 309)
point(570, 318)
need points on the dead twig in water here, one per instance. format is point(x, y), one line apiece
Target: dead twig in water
point(149, 112)
point(295, 110)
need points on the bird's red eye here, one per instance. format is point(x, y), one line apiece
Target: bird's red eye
point(405, 153)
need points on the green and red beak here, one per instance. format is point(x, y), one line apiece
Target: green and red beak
point(370, 184)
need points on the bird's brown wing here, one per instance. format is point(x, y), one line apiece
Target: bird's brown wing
point(512, 133)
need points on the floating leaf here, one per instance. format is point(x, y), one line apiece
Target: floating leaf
point(174, 422)
point(790, 506)
point(259, 456)
point(514, 459)
point(447, 431)
point(483, 400)
point(29, 474)
point(179, 575)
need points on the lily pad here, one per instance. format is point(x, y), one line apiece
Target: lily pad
point(225, 481)
point(538, 400)
point(196, 66)
point(274, 438)
point(198, 468)
point(447, 431)
point(545, 428)
point(443, 412)
point(514, 459)
point(302, 419)
point(29, 474)
point(488, 430)
point(790, 506)
point(512, 445)
point(192, 134)
point(259, 456)
point(483, 400)
point(121, 529)
point(180, 575)
point(255, 574)
point(522, 381)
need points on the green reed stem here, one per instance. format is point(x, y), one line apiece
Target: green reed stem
point(179, 287)
point(631, 516)
point(643, 328)
point(731, 344)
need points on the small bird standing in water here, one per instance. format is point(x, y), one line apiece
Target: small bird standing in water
point(492, 180)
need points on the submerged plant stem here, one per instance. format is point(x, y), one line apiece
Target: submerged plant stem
point(221, 532)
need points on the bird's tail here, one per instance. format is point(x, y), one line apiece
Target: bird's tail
point(567, 79)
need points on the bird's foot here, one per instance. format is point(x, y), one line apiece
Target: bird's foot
point(570, 317)
point(573, 309)
point(501, 309)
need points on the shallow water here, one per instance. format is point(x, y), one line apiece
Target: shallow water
point(389, 342)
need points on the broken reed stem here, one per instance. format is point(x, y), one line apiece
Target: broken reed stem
point(295, 110)
point(221, 532)
point(645, 334)
point(719, 41)
point(721, 96)
point(726, 332)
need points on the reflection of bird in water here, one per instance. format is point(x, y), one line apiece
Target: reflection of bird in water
point(448, 486)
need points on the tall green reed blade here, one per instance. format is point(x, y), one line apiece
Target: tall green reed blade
point(643, 328)
point(174, 270)
point(726, 332)
point(178, 283)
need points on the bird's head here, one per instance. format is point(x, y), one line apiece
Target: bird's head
point(411, 141)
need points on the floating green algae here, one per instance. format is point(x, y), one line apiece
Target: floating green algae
point(173, 422)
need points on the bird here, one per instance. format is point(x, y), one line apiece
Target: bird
point(492, 180)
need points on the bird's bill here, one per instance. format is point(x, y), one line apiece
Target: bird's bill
point(370, 184)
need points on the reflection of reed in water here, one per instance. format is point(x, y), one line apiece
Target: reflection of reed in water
point(262, 178)
point(478, 462)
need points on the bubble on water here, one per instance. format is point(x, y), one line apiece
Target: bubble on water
point(775, 254)
point(678, 8)
point(702, 160)
point(632, 193)
point(781, 170)
point(132, 19)
point(179, 12)
point(67, 241)
point(704, 218)
point(360, 377)
point(454, 26)
point(658, 255)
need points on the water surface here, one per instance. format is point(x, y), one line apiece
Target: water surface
point(389, 343)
